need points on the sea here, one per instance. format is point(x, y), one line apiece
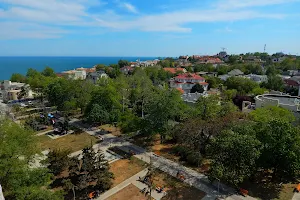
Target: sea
point(10, 65)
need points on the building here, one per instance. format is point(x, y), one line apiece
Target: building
point(75, 74)
point(175, 70)
point(87, 70)
point(235, 72)
point(127, 70)
point(95, 76)
point(211, 74)
point(192, 98)
point(187, 81)
point(291, 103)
point(207, 60)
point(252, 59)
point(293, 82)
point(257, 78)
point(11, 90)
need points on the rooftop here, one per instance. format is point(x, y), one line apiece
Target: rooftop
point(189, 76)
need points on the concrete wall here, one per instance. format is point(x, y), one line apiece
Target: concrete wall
point(289, 102)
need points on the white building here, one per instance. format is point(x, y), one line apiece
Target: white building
point(257, 78)
point(11, 90)
point(187, 81)
point(75, 74)
point(291, 103)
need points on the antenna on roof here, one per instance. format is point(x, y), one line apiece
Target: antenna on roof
point(223, 48)
point(265, 47)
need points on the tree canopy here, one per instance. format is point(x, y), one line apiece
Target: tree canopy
point(20, 181)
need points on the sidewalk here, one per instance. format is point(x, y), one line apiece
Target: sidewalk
point(192, 177)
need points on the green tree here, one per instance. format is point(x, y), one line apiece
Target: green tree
point(92, 168)
point(49, 72)
point(228, 95)
point(266, 114)
point(16, 77)
point(234, 157)
point(274, 83)
point(242, 85)
point(32, 73)
point(58, 161)
point(213, 82)
point(98, 115)
point(258, 91)
point(18, 148)
point(164, 106)
point(100, 67)
point(280, 148)
point(123, 63)
point(197, 88)
point(208, 107)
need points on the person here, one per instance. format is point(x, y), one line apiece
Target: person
point(143, 190)
point(148, 192)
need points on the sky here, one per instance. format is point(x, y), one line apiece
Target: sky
point(147, 27)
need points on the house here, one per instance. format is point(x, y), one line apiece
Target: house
point(235, 72)
point(253, 59)
point(208, 60)
point(293, 82)
point(11, 90)
point(192, 98)
point(127, 70)
point(95, 76)
point(187, 81)
point(87, 70)
point(211, 74)
point(175, 70)
point(257, 78)
point(224, 77)
point(75, 74)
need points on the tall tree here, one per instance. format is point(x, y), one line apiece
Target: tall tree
point(280, 148)
point(18, 148)
point(274, 83)
point(58, 161)
point(234, 157)
point(16, 77)
point(197, 88)
point(48, 71)
point(266, 114)
point(123, 63)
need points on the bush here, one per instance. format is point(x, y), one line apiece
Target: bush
point(194, 158)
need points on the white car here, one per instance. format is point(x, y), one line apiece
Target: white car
point(23, 105)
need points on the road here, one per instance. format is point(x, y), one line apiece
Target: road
point(192, 177)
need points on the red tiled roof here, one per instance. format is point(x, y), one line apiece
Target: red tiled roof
point(128, 68)
point(189, 76)
point(174, 70)
point(180, 90)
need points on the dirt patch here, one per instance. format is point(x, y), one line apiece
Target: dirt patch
point(116, 131)
point(128, 193)
point(175, 189)
point(73, 142)
point(125, 168)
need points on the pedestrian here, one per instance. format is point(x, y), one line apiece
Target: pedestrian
point(143, 190)
point(148, 192)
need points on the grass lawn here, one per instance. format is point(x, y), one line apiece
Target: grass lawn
point(176, 189)
point(72, 142)
point(130, 192)
point(116, 131)
point(126, 168)
point(286, 191)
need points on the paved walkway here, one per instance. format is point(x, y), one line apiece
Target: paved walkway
point(44, 133)
point(192, 177)
point(131, 180)
point(296, 196)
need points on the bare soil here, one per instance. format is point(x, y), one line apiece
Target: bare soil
point(128, 193)
point(125, 168)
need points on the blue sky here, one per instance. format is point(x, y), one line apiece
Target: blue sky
point(147, 27)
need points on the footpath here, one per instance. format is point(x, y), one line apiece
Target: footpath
point(193, 178)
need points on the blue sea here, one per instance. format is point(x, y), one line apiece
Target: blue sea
point(10, 65)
